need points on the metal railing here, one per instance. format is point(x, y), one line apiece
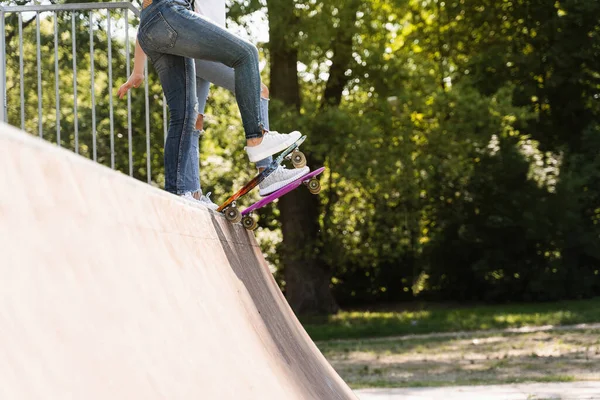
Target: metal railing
point(117, 29)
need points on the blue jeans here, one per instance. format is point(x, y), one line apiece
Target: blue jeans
point(172, 35)
point(208, 72)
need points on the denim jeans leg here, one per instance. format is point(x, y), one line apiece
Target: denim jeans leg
point(178, 31)
point(202, 90)
point(224, 76)
point(191, 172)
point(264, 110)
point(216, 73)
point(178, 79)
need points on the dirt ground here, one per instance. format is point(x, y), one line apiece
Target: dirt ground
point(519, 391)
point(550, 356)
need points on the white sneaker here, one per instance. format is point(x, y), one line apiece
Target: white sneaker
point(272, 143)
point(279, 178)
point(204, 200)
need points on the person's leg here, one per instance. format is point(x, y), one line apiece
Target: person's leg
point(177, 30)
point(282, 176)
point(202, 90)
point(264, 104)
point(224, 76)
point(182, 158)
point(264, 112)
point(197, 37)
point(216, 73)
point(177, 78)
point(192, 170)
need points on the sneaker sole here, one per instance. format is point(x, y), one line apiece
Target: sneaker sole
point(273, 151)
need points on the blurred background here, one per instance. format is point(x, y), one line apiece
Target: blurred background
point(462, 191)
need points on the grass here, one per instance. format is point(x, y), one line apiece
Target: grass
point(468, 359)
point(472, 358)
point(431, 318)
point(384, 384)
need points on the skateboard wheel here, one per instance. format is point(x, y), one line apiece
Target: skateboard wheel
point(249, 223)
point(233, 215)
point(298, 159)
point(314, 186)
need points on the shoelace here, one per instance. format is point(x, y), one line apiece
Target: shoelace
point(272, 133)
point(279, 171)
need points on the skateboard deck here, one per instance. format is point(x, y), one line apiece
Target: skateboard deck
point(309, 179)
point(258, 179)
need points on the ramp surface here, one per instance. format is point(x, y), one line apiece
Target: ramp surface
point(112, 289)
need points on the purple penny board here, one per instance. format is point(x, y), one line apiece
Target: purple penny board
point(284, 190)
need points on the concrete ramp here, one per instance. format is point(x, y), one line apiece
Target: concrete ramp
point(112, 289)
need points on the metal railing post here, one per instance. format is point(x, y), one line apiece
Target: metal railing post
point(36, 68)
point(73, 49)
point(3, 113)
point(110, 91)
point(93, 89)
point(39, 74)
point(21, 73)
point(56, 79)
point(127, 69)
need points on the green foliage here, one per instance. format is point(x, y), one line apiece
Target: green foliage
point(459, 179)
point(431, 318)
point(462, 158)
point(102, 91)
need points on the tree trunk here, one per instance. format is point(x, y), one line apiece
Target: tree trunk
point(337, 81)
point(283, 32)
point(306, 280)
point(342, 56)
